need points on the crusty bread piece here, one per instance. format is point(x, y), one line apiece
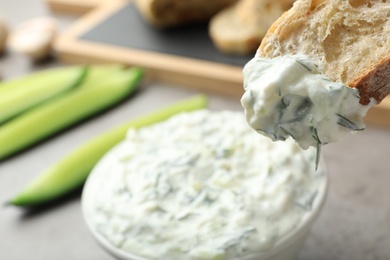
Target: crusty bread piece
point(169, 13)
point(239, 28)
point(349, 40)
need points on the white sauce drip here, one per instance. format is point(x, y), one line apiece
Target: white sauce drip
point(288, 96)
point(203, 185)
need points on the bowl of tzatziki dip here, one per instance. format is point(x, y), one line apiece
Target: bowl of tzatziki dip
point(203, 185)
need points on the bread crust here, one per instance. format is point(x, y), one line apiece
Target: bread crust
point(171, 13)
point(373, 81)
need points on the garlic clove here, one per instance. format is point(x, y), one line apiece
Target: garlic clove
point(34, 38)
point(3, 35)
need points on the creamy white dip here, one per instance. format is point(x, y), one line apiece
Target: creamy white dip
point(204, 185)
point(288, 96)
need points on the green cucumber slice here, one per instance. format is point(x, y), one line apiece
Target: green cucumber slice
point(98, 92)
point(20, 95)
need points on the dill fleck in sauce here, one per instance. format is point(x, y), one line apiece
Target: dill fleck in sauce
point(204, 185)
point(288, 97)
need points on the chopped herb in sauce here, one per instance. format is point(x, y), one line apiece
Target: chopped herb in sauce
point(204, 185)
point(281, 99)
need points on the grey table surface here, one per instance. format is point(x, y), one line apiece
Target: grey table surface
point(354, 223)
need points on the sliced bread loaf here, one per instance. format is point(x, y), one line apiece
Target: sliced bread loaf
point(348, 39)
point(239, 28)
point(168, 13)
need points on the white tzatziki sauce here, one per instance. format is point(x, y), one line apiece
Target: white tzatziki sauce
point(288, 96)
point(204, 185)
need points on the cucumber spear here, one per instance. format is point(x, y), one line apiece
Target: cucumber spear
point(72, 170)
point(104, 87)
point(21, 94)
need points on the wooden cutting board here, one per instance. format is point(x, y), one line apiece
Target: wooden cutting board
point(114, 32)
point(73, 6)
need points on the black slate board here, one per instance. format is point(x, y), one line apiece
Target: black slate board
point(190, 41)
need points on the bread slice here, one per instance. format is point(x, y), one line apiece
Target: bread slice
point(349, 40)
point(169, 13)
point(239, 28)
